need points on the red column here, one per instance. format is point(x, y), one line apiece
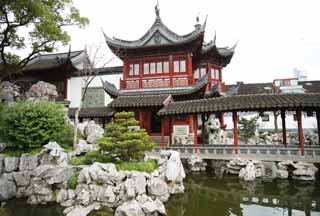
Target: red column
point(221, 120)
point(189, 67)
point(170, 130)
point(162, 132)
point(191, 124)
point(235, 131)
point(141, 119)
point(195, 132)
point(318, 124)
point(171, 70)
point(284, 130)
point(300, 132)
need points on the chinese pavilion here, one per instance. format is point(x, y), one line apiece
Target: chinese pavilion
point(162, 67)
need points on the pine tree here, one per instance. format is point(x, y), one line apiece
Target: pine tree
point(122, 141)
point(247, 128)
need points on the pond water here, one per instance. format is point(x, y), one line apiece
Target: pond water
point(208, 195)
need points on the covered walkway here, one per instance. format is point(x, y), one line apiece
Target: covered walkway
point(284, 103)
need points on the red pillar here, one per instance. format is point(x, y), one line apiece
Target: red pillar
point(221, 120)
point(284, 129)
point(171, 70)
point(162, 132)
point(141, 119)
point(300, 132)
point(318, 124)
point(195, 132)
point(235, 131)
point(170, 130)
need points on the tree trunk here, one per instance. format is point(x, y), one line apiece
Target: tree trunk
point(75, 132)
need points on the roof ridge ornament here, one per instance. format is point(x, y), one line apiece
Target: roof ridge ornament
point(157, 9)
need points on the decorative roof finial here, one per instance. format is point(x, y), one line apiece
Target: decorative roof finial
point(157, 9)
point(197, 18)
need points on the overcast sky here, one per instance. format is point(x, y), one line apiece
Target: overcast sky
point(274, 36)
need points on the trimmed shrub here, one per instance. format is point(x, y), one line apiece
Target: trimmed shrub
point(28, 125)
point(122, 140)
point(91, 157)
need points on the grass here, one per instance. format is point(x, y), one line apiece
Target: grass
point(18, 152)
point(144, 166)
point(89, 158)
point(73, 181)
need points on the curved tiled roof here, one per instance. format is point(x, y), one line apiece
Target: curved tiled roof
point(157, 35)
point(175, 92)
point(266, 102)
point(138, 101)
point(47, 61)
point(92, 112)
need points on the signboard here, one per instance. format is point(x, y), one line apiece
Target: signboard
point(180, 130)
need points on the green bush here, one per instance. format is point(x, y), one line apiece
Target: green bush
point(28, 125)
point(91, 157)
point(144, 166)
point(122, 142)
point(247, 128)
point(73, 181)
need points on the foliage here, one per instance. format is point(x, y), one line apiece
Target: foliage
point(44, 22)
point(144, 166)
point(122, 142)
point(73, 181)
point(90, 158)
point(11, 152)
point(29, 125)
point(247, 128)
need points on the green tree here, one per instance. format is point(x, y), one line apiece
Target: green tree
point(122, 141)
point(27, 125)
point(247, 128)
point(43, 20)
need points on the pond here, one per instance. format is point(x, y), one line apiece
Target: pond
point(209, 195)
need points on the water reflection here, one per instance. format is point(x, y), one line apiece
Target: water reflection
point(207, 195)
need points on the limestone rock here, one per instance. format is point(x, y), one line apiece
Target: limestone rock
point(9, 93)
point(174, 170)
point(28, 162)
point(22, 178)
point(1, 163)
point(93, 132)
point(2, 146)
point(129, 208)
point(248, 173)
point(158, 188)
point(11, 164)
point(84, 147)
point(80, 210)
point(196, 164)
point(282, 174)
point(151, 207)
point(42, 91)
point(8, 188)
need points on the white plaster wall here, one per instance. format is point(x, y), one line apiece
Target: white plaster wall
point(307, 122)
point(75, 85)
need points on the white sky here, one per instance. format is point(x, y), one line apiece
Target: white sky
point(274, 36)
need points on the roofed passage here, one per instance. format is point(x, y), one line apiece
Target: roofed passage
point(264, 102)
